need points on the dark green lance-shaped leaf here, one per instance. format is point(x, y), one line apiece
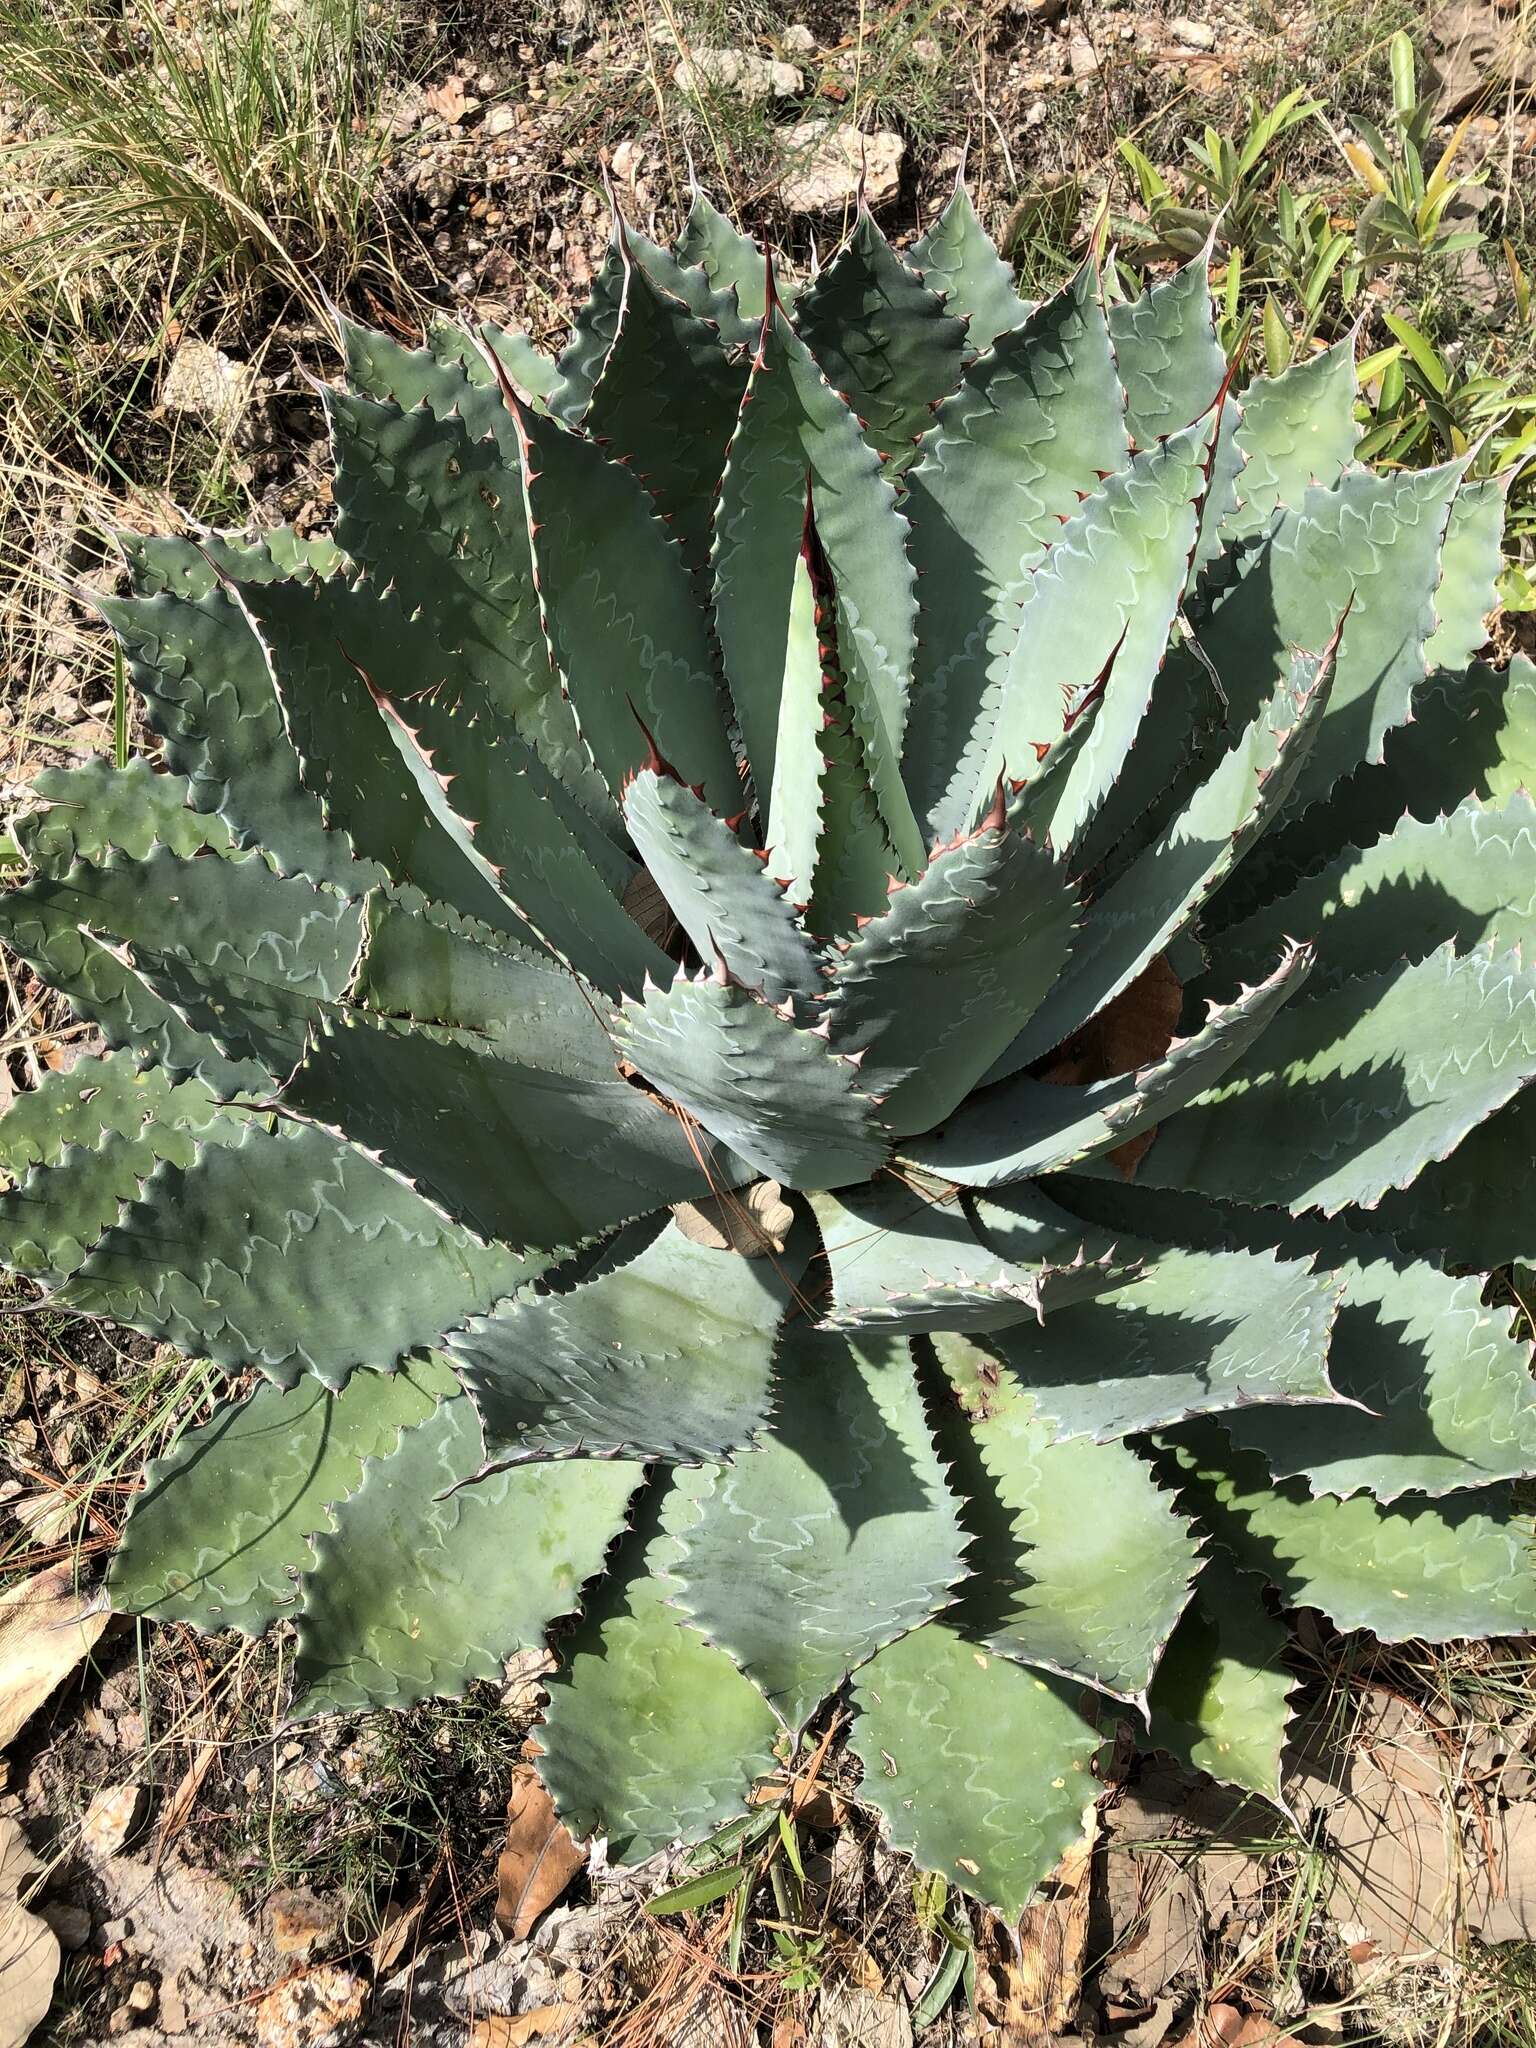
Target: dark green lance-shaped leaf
point(978, 1768)
point(719, 891)
point(1033, 427)
point(331, 646)
point(769, 1090)
point(203, 678)
point(797, 439)
point(1369, 544)
point(666, 405)
point(592, 331)
point(529, 368)
point(112, 1095)
point(1468, 735)
point(1143, 909)
point(1221, 1697)
point(1082, 1565)
point(619, 610)
point(80, 1145)
point(651, 1734)
point(729, 259)
point(1023, 1126)
point(930, 993)
point(883, 338)
point(223, 1524)
point(692, 284)
point(902, 1259)
point(39, 922)
point(1295, 429)
point(420, 968)
point(97, 809)
point(856, 856)
point(1468, 878)
point(668, 1354)
point(835, 1536)
point(554, 874)
point(449, 380)
point(1193, 1332)
point(956, 257)
point(1170, 360)
point(427, 1581)
point(1449, 1391)
point(1097, 618)
point(514, 1152)
point(242, 954)
point(1475, 1208)
point(293, 1252)
point(1470, 561)
point(1352, 1091)
point(428, 508)
point(1430, 1569)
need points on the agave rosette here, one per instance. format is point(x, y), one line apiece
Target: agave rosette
point(1094, 881)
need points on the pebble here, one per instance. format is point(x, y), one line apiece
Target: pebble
point(1083, 58)
point(1194, 35)
point(302, 1923)
point(320, 2008)
point(825, 165)
point(111, 1818)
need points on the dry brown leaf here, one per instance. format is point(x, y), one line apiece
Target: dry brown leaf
point(29, 1948)
point(448, 100)
point(1032, 1994)
point(543, 2023)
point(754, 1222)
point(46, 1627)
point(1228, 2026)
point(540, 1858)
point(178, 1808)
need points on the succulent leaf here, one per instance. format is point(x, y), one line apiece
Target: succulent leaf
point(1022, 1126)
point(978, 1767)
point(423, 1582)
point(1082, 1567)
point(883, 337)
point(956, 258)
point(619, 1756)
point(835, 1536)
point(1221, 1697)
point(1034, 426)
point(668, 1354)
point(223, 1525)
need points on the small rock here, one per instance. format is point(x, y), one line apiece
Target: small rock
point(826, 164)
point(1034, 114)
point(141, 1998)
point(1194, 35)
point(111, 1818)
point(742, 72)
point(320, 2008)
point(122, 2019)
point(927, 53)
point(797, 41)
point(72, 1924)
point(173, 2005)
point(302, 1923)
point(501, 120)
point(1083, 58)
point(202, 380)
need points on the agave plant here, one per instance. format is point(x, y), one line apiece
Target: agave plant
point(839, 997)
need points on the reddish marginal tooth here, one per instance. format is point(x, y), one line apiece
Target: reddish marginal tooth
point(1042, 748)
point(861, 921)
point(757, 852)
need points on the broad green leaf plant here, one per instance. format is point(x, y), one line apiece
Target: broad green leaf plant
point(841, 998)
